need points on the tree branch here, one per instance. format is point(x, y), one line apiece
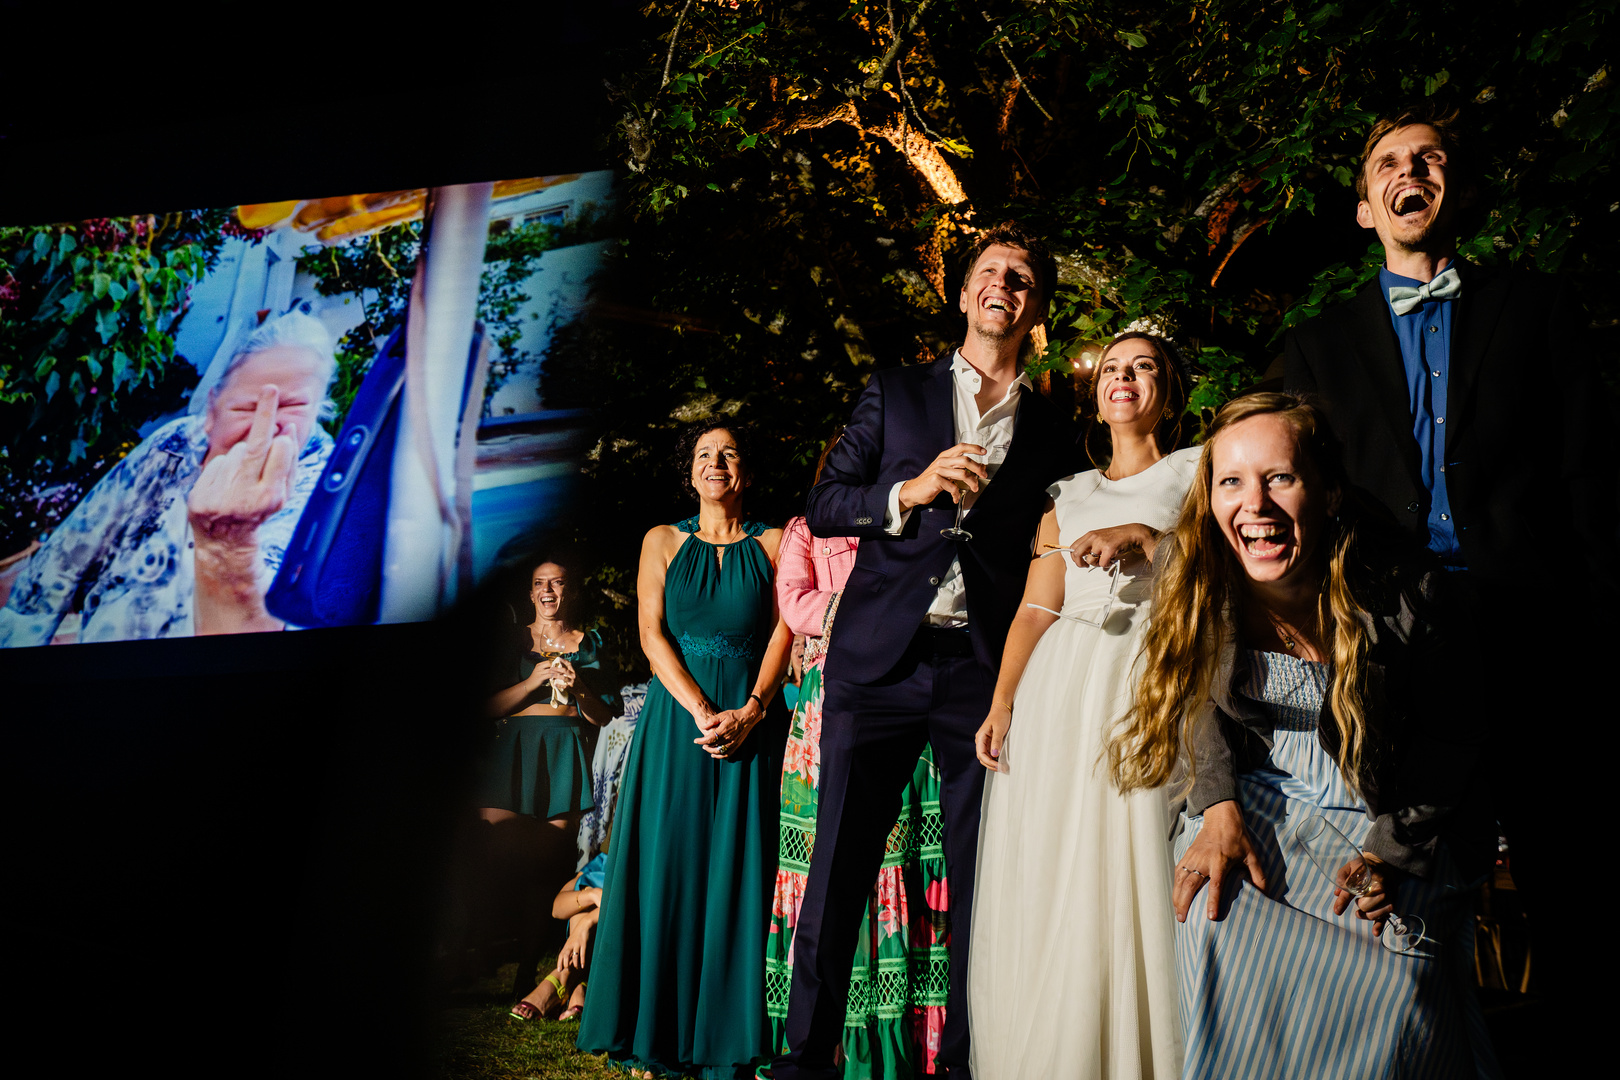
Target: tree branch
point(673, 34)
point(875, 80)
point(1019, 80)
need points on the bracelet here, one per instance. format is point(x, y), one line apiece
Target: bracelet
point(756, 697)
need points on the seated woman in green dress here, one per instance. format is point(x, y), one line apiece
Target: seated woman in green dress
point(677, 981)
point(538, 777)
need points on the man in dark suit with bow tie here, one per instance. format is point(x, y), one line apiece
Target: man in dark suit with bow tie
point(922, 621)
point(1466, 400)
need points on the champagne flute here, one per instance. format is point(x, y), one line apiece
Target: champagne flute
point(956, 532)
point(559, 694)
point(1342, 863)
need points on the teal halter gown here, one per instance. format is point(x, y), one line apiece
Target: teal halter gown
point(676, 982)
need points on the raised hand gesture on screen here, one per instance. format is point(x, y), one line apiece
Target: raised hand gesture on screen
point(236, 493)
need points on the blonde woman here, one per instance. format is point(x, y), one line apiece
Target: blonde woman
point(1306, 667)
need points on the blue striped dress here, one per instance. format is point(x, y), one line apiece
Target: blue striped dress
point(1281, 987)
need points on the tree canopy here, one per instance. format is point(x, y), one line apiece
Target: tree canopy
point(804, 179)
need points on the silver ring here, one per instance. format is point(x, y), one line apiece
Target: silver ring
point(1087, 557)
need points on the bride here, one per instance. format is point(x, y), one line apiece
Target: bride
point(1073, 966)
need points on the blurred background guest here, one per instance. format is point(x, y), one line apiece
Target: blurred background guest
point(1313, 643)
point(537, 779)
point(893, 1025)
point(677, 984)
point(184, 535)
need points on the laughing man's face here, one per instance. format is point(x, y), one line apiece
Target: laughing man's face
point(1001, 297)
point(1408, 192)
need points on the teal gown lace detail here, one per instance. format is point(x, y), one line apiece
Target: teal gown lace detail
point(676, 983)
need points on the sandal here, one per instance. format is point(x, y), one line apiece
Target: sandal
point(525, 1010)
point(573, 1012)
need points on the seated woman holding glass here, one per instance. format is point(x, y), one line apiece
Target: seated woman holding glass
point(1304, 659)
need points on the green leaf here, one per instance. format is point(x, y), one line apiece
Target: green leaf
point(1573, 165)
point(100, 281)
point(42, 244)
point(107, 324)
point(94, 366)
point(53, 384)
point(66, 245)
point(712, 186)
point(116, 291)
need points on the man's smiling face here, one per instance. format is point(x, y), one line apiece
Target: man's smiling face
point(1002, 297)
point(1407, 177)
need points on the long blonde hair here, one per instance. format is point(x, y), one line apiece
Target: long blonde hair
point(1199, 576)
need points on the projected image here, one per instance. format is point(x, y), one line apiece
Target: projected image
point(317, 412)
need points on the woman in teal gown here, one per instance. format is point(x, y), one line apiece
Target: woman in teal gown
point(677, 985)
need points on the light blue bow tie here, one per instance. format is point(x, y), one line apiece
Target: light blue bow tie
point(1405, 299)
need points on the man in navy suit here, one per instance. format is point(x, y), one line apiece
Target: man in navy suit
point(923, 618)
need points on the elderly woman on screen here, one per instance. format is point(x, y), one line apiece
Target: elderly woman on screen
point(184, 534)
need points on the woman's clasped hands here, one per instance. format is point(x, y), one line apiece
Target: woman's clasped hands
point(725, 730)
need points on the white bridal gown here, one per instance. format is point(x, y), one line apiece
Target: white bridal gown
point(1073, 965)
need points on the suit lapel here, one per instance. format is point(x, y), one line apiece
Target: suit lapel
point(1381, 358)
point(1479, 308)
point(939, 394)
point(1026, 434)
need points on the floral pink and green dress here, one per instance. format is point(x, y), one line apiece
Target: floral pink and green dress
point(899, 982)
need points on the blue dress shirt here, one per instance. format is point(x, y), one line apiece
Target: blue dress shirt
point(1425, 338)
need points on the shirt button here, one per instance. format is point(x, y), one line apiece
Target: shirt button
point(1445, 517)
point(1412, 509)
point(1434, 329)
point(933, 581)
point(1439, 419)
point(1436, 374)
point(826, 551)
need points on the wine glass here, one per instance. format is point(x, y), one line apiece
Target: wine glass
point(559, 694)
point(1341, 862)
point(956, 532)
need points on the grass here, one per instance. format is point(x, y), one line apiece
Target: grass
point(479, 1041)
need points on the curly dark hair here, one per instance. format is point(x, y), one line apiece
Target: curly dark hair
point(742, 433)
point(1015, 234)
point(1168, 430)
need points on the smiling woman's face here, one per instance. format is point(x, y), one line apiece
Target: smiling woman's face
point(1130, 385)
point(717, 465)
point(547, 586)
point(294, 371)
point(1270, 502)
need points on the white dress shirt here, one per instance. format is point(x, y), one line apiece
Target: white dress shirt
point(992, 430)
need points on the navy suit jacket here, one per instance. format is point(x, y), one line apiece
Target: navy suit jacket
point(902, 422)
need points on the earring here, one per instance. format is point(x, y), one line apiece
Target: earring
point(1168, 413)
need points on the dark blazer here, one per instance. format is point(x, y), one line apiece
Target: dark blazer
point(1421, 771)
point(1521, 415)
point(901, 423)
